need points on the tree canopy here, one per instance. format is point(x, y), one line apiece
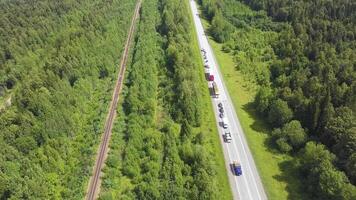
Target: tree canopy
point(57, 63)
point(302, 56)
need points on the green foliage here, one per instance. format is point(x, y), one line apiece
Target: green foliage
point(250, 46)
point(209, 8)
point(332, 183)
point(282, 143)
point(316, 162)
point(263, 99)
point(158, 153)
point(279, 113)
point(295, 133)
point(340, 123)
point(57, 60)
point(351, 167)
point(290, 136)
point(302, 54)
point(220, 29)
point(182, 69)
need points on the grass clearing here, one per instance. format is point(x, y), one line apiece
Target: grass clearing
point(277, 171)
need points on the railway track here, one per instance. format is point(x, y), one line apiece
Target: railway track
point(94, 183)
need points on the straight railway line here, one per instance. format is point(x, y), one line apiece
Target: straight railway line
point(94, 184)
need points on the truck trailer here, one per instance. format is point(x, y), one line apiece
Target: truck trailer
point(215, 90)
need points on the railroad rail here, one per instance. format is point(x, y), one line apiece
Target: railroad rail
point(94, 184)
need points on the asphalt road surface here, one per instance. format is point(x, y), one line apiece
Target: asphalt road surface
point(248, 185)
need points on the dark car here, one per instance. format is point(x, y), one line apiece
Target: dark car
point(220, 105)
point(236, 166)
point(221, 110)
point(221, 115)
point(224, 125)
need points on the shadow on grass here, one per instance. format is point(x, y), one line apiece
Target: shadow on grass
point(295, 188)
point(289, 169)
point(259, 124)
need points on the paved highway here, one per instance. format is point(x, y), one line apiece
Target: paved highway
point(248, 185)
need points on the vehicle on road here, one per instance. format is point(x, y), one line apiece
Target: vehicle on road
point(221, 115)
point(236, 166)
point(221, 110)
point(248, 186)
point(224, 123)
point(207, 73)
point(227, 137)
point(215, 90)
point(220, 105)
point(211, 77)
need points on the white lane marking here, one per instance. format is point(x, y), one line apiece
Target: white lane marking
point(219, 132)
point(237, 127)
point(214, 65)
point(238, 156)
point(227, 149)
point(245, 153)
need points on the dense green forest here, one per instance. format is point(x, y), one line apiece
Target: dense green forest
point(57, 62)
point(303, 58)
point(161, 148)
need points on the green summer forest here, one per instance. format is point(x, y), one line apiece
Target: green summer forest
point(164, 150)
point(58, 67)
point(302, 57)
point(58, 62)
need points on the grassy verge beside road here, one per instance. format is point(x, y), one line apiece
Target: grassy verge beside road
point(276, 170)
point(209, 123)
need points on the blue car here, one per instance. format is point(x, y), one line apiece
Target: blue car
point(237, 168)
